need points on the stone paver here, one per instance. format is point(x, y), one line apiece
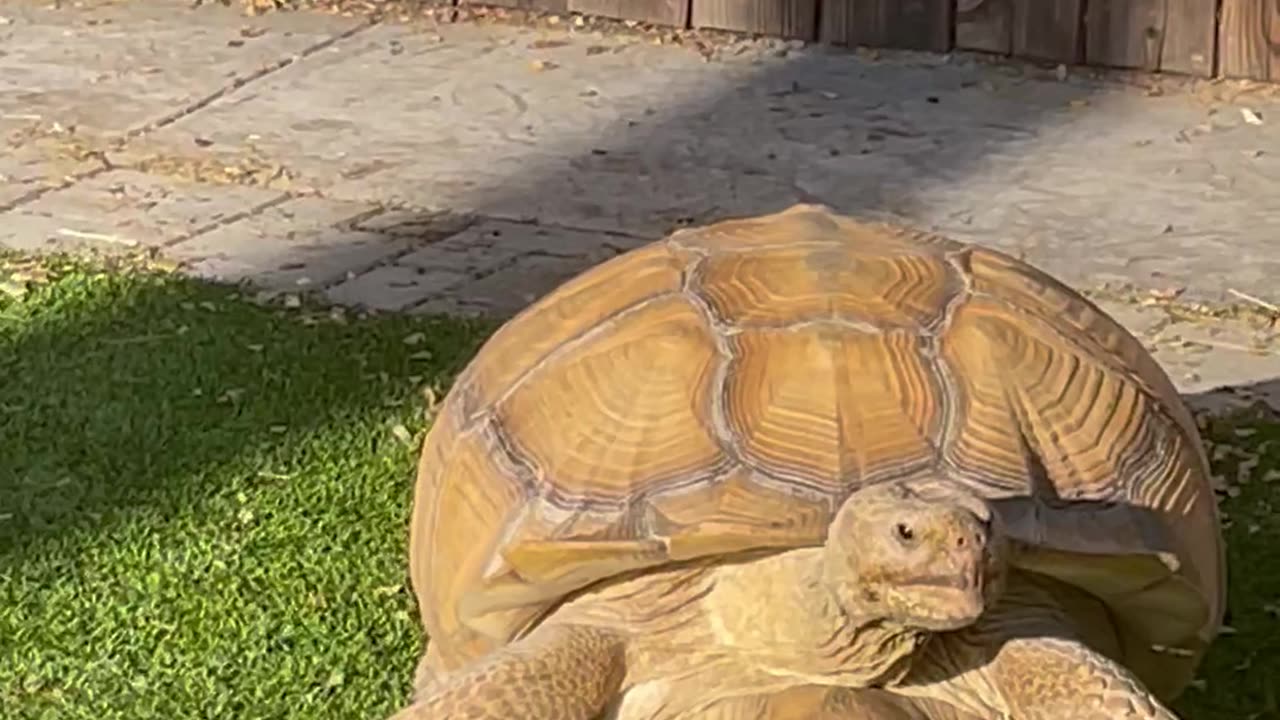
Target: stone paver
point(125, 209)
point(28, 170)
point(112, 67)
point(492, 266)
point(1159, 190)
point(301, 244)
point(470, 168)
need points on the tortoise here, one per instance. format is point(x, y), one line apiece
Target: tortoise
point(807, 465)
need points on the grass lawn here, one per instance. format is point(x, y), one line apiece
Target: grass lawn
point(203, 506)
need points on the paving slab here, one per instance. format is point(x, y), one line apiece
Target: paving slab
point(470, 168)
point(492, 267)
point(302, 244)
point(28, 170)
point(122, 210)
point(1204, 355)
point(396, 287)
point(113, 67)
point(1091, 180)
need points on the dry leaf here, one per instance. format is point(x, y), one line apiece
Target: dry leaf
point(1250, 116)
point(402, 434)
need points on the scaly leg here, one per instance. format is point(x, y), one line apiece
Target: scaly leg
point(558, 672)
point(818, 702)
point(1057, 679)
point(1035, 656)
point(877, 704)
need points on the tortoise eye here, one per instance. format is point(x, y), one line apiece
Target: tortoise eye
point(905, 533)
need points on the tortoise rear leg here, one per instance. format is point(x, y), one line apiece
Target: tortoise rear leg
point(558, 672)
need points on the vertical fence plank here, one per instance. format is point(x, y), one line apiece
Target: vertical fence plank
point(1048, 29)
point(905, 24)
point(1243, 33)
point(985, 25)
point(1170, 35)
point(660, 12)
point(1125, 33)
point(1189, 37)
point(782, 18)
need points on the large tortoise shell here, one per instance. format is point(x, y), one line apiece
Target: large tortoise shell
point(726, 388)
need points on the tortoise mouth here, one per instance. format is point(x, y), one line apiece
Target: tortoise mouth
point(941, 608)
point(963, 583)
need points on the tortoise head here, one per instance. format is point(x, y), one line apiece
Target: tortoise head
point(928, 556)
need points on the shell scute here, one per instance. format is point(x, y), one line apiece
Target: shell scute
point(790, 285)
point(831, 408)
point(578, 307)
point(623, 413)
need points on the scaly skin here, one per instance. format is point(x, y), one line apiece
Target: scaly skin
point(559, 672)
point(1057, 679)
point(750, 639)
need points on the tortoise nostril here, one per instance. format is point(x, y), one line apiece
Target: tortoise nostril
point(904, 533)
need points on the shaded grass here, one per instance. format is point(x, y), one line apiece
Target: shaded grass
point(203, 502)
point(203, 506)
point(1241, 675)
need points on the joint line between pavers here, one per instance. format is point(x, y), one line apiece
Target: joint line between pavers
point(229, 220)
point(66, 182)
point(482, 274)
point(572, 228)
point(391, 258)
point(240, 82)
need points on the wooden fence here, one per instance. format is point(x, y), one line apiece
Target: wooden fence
point(1230, 38)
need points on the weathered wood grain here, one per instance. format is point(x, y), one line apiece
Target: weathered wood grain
point(781, 18)
point(905, 24)
point(660, 12)
point(1248, 39)
point(1168, 35)
point(985, 25)
point(1048, 29)
point(1189, 44)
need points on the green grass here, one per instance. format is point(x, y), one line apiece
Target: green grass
point(203, 502)
point(1241, 675)
point(203, 505)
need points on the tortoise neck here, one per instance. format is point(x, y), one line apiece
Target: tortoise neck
point(780, 611)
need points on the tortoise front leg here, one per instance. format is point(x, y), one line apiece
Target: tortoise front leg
point(1029, 677)
point(558, 672)
point(1036, 655)
point(1057, 679)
